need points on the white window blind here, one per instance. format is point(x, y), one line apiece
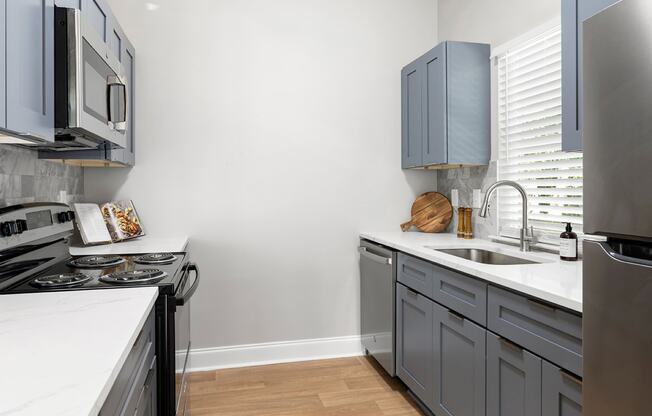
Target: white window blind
point(529, 130)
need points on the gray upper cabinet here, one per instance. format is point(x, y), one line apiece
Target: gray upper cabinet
point(459, 365)
point(573, 14)
point(411, 115)
point(29, 68)
point(446, 107)
point(3, 74)
point(414, 355)
point(513, 379)
point(561, 392)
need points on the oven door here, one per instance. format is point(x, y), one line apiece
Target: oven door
point(96, 103)
point(182, 340)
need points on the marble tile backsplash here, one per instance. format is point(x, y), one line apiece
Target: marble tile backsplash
point(465, 180)
point(24, 178)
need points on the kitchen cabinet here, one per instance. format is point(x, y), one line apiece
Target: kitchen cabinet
point(561, 392)
point(414, 325)
point(445, 107)
point(103, 20)
point(134, 391)
point(513, 379)
point(28, 69)
point(459, 365)
point(573, 14)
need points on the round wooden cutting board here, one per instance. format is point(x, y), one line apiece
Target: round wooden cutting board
point(431, 213)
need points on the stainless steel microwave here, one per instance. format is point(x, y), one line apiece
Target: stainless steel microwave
point(90, 96)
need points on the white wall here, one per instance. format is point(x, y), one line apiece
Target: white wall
point(492, 21)
point(269, 132)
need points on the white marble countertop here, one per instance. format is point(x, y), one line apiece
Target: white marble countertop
point(555, 281)
point(61, 352)
point(141, 245)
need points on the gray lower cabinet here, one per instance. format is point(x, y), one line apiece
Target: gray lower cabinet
point(459, 365)
point(28, 70)
point(513, 379)
point(573, 14)
point(134, 390)
point(446, 107)
point(414, 355)
point(561, 392)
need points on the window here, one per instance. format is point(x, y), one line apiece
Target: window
point(529, 139)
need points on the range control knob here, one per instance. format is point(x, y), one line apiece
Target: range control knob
point(21, 225)
point(7, 229)
point(62, 217)
point(71, 215)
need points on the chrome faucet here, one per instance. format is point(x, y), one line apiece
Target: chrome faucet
point(527, 234)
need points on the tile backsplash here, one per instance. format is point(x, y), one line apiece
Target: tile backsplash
point(465, 180)
point(24, 178)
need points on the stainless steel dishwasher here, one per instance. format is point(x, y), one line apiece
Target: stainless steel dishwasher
point(377, 298)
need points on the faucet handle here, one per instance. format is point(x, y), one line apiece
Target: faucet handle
point(533, 238)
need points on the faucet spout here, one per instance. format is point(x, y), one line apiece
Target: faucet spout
point(527, 236)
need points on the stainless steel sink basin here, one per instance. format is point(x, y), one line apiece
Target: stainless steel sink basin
point(485, 256)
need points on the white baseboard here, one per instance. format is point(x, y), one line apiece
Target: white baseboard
point(204, 359)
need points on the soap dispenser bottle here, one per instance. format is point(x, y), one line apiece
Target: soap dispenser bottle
point(568, 244)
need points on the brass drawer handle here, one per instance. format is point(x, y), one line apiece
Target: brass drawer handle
point(570, 377)
point(509, 344)
point(541, 305)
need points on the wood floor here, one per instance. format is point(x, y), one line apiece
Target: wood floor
point(344, 386)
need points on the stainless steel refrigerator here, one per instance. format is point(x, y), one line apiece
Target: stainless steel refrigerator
point(617, 140)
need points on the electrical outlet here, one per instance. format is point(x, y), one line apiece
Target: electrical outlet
point(455, 198)
point(478, 196)
point(63, 197)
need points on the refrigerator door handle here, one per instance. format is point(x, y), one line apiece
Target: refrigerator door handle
point(622, 258)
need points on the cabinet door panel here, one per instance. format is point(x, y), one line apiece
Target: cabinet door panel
point(571, 139)
point(459, 365)
point(96, 13)
point(513, 379)
point(3, 74)
point(411, 115)
point(414, 341)
point(573, 13)
point(30, 67)
point(561, 392)
point(434, 106)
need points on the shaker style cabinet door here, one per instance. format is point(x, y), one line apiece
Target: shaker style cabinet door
point(573, 14)
point(561, 392)
point(414, 341)
point(434, 106)
point(3, 74)
point(459, 365)
point(29, 76)
point(412, 115)
point(513, 379)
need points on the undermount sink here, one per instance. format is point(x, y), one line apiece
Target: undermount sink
point(486, 256)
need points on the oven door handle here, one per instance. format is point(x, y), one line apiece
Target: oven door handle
point(186, 296)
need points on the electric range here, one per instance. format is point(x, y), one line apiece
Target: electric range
point(34, 258)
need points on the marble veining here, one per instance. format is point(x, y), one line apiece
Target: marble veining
point(25, 178)
point(62, 351)
point(465, 180)
point(554, 281)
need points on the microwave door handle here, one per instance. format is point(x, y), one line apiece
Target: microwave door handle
point(121, 123)
point(186, 296)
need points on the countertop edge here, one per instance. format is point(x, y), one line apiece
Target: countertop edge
point(553, 298)
point(99, 402)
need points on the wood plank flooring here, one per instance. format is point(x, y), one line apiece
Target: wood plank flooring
point(339, 387)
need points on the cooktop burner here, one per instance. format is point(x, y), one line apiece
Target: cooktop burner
point(156, 258)
point(143, 276)
point(61, 280)
point(96, 262)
